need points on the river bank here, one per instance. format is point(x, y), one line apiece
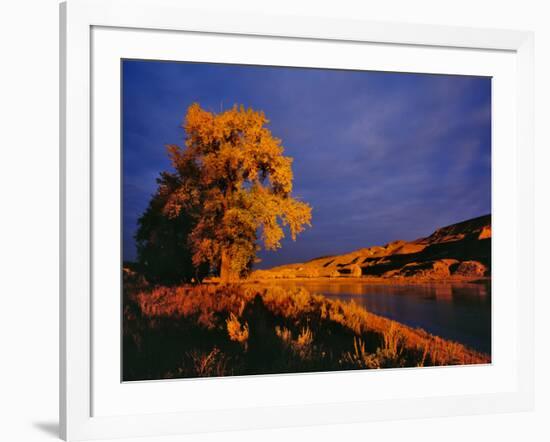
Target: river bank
point(223, 330)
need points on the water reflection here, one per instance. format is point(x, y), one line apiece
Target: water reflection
point(457, 311)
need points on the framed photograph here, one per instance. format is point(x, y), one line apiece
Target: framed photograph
point(281, 221)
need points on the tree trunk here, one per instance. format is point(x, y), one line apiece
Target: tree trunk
point(226, 272)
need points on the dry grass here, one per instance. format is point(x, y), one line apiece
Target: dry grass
point(244, 329)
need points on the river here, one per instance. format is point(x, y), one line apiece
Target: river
point(457, 311)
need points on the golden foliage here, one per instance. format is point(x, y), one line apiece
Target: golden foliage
point(237, 332)
point(374, 341)
point(233, 173)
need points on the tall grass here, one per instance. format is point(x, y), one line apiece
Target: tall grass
point(247, 329)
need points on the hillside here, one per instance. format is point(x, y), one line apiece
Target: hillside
point(458, 251)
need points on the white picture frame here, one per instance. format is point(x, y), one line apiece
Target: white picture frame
point(77, 377)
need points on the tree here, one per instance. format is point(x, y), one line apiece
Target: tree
point(232, 178)
point(163, 252)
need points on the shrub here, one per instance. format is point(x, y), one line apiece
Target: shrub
point(236, 331)
point(209, 364)
point(360, 358)
point(214, 330)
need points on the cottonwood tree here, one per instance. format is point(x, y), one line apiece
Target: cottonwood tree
point(163, 252)
point(232, 178)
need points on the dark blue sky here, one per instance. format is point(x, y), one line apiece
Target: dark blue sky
point(379, 156)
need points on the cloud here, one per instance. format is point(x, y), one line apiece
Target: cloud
point(379, 156)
